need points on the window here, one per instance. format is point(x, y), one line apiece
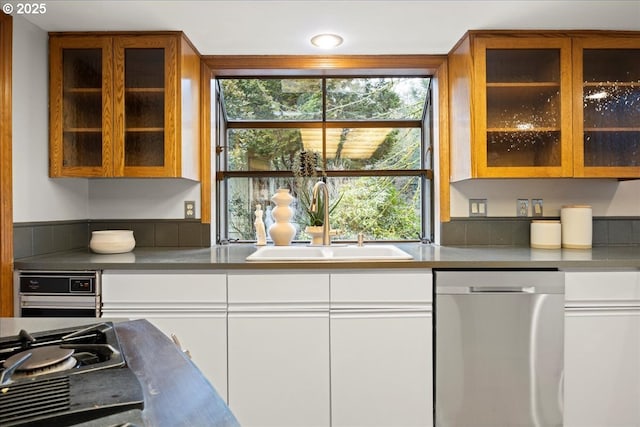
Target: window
point(369, 138)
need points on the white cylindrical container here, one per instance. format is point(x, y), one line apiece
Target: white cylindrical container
point(545, 234)
point(577, 226)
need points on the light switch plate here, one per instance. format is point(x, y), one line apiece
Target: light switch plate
point(522, 207)
point(477, 207)
point(536, 207)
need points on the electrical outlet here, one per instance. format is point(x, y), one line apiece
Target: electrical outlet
point(189, 209)
point(522, 207)
point(536, 207)
point(477, 207)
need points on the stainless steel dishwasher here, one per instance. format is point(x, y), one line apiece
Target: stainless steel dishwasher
point(499, 348)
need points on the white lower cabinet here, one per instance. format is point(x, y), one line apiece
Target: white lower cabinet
point(602, 349)
point(297, 349)
point(381, 349)
point(279, 349)
point(189, 305)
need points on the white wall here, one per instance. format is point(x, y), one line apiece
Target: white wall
point(36, 197)
point(141, 198)
point(608, 197)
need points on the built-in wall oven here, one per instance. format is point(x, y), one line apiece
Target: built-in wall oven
point(57, 293)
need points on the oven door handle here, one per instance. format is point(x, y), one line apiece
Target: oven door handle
point(48, 301)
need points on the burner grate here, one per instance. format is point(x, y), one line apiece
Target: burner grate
point(22, 401)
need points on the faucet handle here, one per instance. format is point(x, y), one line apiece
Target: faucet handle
point(360, 239)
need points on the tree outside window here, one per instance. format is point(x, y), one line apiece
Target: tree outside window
point(366, 137)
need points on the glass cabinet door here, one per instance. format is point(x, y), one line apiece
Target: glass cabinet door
point(607, 114)
point(145, 87)
point(524, 113)
point(81, 133)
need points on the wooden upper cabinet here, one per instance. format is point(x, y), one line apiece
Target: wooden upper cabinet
point(124, 105)
point(511, 107)
point(606, 77)
point(81, 106)
point(545, 104)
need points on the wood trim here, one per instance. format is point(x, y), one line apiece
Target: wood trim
point(205, 144)
point(6, 176)
point(317, 65)
point(363, 65)
point(444, 148)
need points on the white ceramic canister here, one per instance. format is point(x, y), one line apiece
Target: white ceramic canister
point(545, 234)
point(577, 226)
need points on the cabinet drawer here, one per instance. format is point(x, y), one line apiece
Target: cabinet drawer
point(603, 286)
point(382, 287)
point(164, 287)
point(263, 287)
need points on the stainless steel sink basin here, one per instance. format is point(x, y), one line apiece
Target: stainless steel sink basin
point(329, 253)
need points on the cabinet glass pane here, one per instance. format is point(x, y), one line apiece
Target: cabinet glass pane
point(523, 107)
point(82, 107)
point(523, 65)
point(611, 65)
point(82, 68)
point(144, 68)
point(608, 149)
point(82, 149)
point(144, 106)
point(611, 107)
point(518, 149)
point(144, 148)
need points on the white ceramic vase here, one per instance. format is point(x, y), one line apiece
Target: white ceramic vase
point(282, 231)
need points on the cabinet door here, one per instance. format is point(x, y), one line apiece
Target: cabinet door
point(146, 106)
point(381, 369)
point(279, 369)
point(81, 113)
point(523, 107)
point(602, 349)
point(191, 306)
point(279, 349)
point(606, 75)
point(381, 349)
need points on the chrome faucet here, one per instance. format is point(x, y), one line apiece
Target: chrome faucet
point(326, 238)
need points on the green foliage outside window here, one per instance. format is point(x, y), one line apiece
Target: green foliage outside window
point(381, 207)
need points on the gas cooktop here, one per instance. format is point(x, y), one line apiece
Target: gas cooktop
point(65, 377)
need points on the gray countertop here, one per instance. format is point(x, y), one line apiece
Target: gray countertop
point(175, 392)
point(232, 257)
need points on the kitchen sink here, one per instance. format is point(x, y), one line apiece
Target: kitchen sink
point(329, 253)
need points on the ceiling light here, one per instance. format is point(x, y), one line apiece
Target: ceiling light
point(326, 41)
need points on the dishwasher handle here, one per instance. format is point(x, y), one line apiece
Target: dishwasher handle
point(502, 289)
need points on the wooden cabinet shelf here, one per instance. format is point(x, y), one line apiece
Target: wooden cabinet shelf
point(144, 130)
point(83, 130)
point(545, 104)
point(145, 90)
point(118, 108)
point(519, 85)
point(97, 91)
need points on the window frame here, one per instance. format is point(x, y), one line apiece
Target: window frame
point(434, 66)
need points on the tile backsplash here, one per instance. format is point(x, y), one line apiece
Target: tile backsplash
point(38, 238)
point(607, 231)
